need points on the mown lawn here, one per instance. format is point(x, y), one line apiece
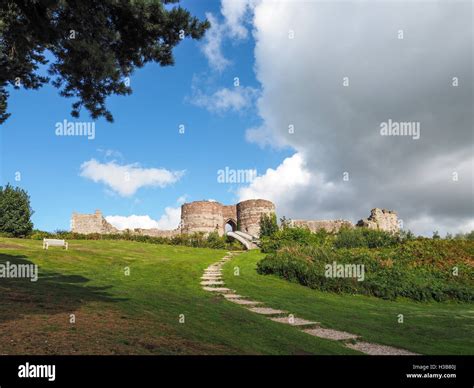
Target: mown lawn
point(139, 313)
point(427, 328)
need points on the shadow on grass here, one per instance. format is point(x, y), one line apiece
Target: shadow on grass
point(52, 293)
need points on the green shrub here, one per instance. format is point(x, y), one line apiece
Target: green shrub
point(196, 240)
point(215, 241)
point(465, 236)
point(421, 270)
point(268, 225)
point(365, 238)
point(293, 237)
point(39, 235)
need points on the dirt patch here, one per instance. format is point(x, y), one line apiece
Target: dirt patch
point(11, 246)
point(96, 331)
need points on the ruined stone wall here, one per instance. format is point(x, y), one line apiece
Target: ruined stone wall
point(249, 213)
point(91, 223)
point(381, 219)
point(208, 217)
point(202, 216)
point(331, 226)
point(198, 216)
point(157, 232)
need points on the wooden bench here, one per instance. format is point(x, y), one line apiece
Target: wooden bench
point(49, 242)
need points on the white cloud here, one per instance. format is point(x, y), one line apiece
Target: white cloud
point(212, 47)
point(234, 12)
point(278, 184)
point(236, 99)
point(336, 128)
point(168, 221)
point(125, 180)
point(232, 26)
point(132, 222)
point(171, 218)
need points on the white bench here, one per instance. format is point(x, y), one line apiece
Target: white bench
point(49, 242)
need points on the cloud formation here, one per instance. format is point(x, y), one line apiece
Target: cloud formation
point(126, 179)
point(335, 71)
point(236, 99)
point(233, 27)
point(212, 47)
point(168, 221)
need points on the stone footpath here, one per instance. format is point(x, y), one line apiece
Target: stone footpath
point(212, 281)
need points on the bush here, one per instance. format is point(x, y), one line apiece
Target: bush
point(40, 235)
point(288, 237)
point(365, 238)
point(465, 236)
point(15, 212)
point(215, 241)
point(196, 240)
point(421, 270)
point(268, 225)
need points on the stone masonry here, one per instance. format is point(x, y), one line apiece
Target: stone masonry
point(91, 223)
point(199, 216)
point(331, 226)
point(211, 216)
point(381, 219)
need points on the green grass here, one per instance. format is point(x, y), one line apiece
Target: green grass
point(428, 328)
point(136, 314)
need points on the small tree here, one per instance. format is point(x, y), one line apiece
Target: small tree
point(268, 225)
point(15, 211)
point(285, 222)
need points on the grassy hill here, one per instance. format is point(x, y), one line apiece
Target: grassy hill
point(140, 313)
point(427, 328)
point(135, 314)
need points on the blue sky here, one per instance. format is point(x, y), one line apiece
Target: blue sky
point(334, 71)
point(145, 131)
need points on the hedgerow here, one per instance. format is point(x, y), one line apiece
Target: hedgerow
point(422, 270)
point(195, 240)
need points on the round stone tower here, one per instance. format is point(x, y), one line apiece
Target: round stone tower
point(202, 216)
point(249, 213)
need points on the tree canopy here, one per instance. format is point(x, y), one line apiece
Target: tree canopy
point(95, 46)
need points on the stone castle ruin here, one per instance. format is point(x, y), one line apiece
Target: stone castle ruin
point(198, 216)
point(379, 219)
point(240, 221)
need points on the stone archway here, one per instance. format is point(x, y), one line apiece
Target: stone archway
point(230, 225)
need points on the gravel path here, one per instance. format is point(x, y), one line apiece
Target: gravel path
point(212, 281)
